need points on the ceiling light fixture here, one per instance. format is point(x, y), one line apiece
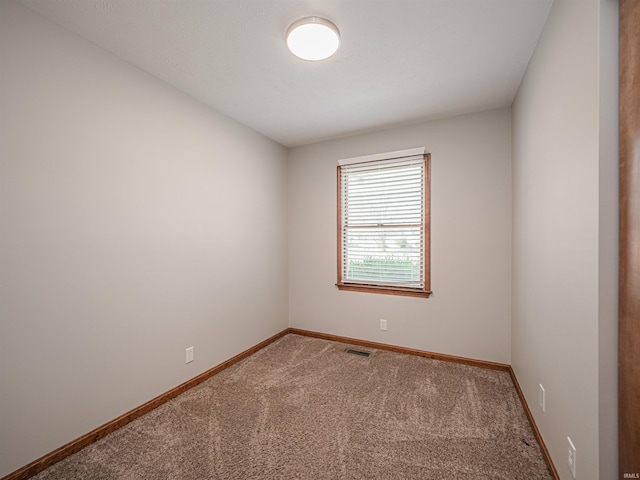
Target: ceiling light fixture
point(313, 38)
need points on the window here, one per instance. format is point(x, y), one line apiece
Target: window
point(383, 223)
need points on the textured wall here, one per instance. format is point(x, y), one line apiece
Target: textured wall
point(469, 311)
point(129, 220)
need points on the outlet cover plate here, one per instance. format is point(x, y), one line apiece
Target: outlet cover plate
point(542, 401)
point(189, 355)
point(571, 458)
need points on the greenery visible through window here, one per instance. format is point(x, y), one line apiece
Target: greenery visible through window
point(383, 224)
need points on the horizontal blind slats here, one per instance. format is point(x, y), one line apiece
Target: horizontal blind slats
point(383, 222)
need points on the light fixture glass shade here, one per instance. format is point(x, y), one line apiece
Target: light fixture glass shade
point(313, 38)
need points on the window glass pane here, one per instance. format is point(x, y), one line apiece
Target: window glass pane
point(384, 255)
point(383, 222)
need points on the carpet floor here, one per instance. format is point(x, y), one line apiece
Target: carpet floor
point(303, 408)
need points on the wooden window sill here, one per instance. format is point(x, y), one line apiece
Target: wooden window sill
point(408, 292)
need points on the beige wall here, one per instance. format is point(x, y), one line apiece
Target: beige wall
point(469, 312)
point(129, 219)
point(564, 241)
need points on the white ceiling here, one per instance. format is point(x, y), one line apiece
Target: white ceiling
point(401, 61)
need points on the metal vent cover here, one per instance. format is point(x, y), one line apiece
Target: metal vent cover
point(362, 353)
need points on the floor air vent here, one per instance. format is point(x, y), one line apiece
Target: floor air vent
point(362, 353)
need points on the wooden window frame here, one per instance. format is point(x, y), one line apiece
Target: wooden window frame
point(424, 292)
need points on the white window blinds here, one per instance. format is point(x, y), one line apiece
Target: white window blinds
point(383, 222)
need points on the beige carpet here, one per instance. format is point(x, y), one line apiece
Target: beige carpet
point(302, 408)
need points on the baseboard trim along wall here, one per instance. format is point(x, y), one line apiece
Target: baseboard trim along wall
point(78, 444)
point(409, 351)
point(532, 422)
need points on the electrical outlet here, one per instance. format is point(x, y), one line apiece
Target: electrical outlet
point(571, 459)
point(383, 324)
point(189, 355)
point(541, 398)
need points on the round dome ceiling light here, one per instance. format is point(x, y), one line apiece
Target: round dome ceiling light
point(313, 38)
